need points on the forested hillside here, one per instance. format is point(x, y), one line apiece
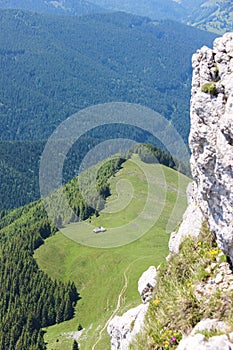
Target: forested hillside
point(156, 9)
point(29, 299)
point(215, 16)
point(211, 15)
point(52, 66)
point(68, 7)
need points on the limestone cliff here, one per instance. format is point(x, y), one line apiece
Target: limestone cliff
point(211, 138)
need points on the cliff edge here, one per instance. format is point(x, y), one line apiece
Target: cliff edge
point(211, 138)
point(192, 299)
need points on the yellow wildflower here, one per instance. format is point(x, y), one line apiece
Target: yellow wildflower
point(156, 301)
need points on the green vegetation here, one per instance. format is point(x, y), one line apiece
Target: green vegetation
point(176, 308)
point(49, 73)
point(19, 172)
point(54, 66)
point(69, 7)
point(20, 160)
point(210, 333)
point(30, 299)
point(209, 88)
point(99, 273)
point(214, 16)
point(151, 154)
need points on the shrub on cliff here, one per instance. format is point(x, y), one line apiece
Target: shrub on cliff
point(209, 88)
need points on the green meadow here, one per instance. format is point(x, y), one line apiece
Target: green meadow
point(146, 203)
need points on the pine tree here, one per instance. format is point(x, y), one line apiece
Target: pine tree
point(75, 345)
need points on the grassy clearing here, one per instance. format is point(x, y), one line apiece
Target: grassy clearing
point(176, 308)
point(99, 272)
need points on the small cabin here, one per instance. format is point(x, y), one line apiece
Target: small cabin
point(99, 229)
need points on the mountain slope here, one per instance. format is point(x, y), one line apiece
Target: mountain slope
point(31, 299)
point(215, 16)
point(19, 170)
point(50, 64)
point(68, 7)
point(155, 9)
point(99, 273)
point(53, 66)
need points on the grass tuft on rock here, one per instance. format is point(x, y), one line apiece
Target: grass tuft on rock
point(209, 88)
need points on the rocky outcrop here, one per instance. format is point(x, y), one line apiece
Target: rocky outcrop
point(191, 223)
point(220, 277)
point(147, 283)
point(211, 144)
point(211, 138)
point(197, 339)
point(123, 329)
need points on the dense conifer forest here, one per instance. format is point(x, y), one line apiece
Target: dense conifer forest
point(29, 299)
point(53, 66)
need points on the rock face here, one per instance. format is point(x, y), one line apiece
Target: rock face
point(147, 283)
point(211, 138)
point(123, 329)
point(191, 223)
point(197, 340)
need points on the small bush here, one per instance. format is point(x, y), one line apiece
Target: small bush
point(209, 88)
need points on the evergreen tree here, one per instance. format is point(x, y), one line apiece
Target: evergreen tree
point(75, 345)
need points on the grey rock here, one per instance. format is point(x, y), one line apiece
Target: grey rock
point(210, 324)
point(210, 196)
point(123, 329)
point(199, 342)
point(211, 139)
point(196, 340)
point(190, 225)
point(218, 278)
point(147, 283)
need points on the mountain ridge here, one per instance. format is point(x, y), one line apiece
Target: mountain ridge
point(68, 7)
point(58, 81)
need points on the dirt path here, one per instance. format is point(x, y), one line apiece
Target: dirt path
point(116, 309)
point(123, 290)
